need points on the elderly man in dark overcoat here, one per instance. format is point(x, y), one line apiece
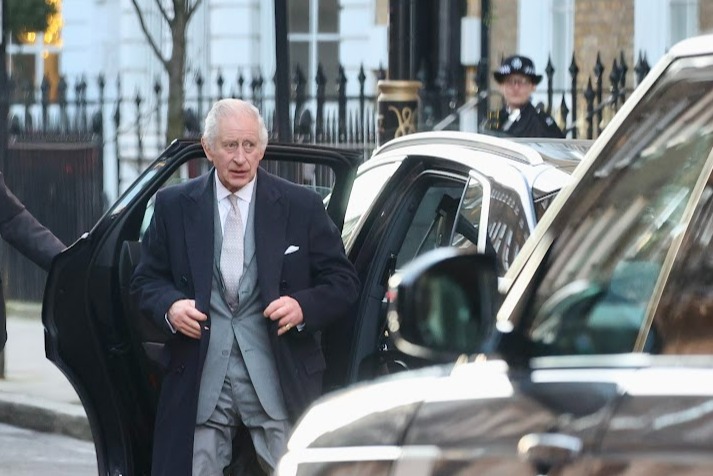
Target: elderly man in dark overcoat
point(245, 269)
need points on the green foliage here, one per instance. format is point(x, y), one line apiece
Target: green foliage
point(28, 15)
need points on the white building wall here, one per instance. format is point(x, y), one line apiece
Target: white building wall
point(359, 43)
point(235, 42)
point(227, 37)
point(651, 28)
point(535, 37)
point(90, 47)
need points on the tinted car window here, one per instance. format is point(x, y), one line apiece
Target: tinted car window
point(599, 284)
point(467, 228)
point(543, 203)
point(683, 323)
point(507, 228)
point(433, 221)
point(367, 186)
point(507, 223)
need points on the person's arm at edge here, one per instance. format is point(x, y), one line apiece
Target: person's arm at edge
point(24, 232)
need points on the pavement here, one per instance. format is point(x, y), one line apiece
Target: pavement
point(34, 394)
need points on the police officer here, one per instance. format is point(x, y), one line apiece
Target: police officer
point(517, 81)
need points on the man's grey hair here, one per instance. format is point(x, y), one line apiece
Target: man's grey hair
point(228, 107)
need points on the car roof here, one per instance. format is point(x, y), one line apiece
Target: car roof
point(545, 164)
point(562, 154)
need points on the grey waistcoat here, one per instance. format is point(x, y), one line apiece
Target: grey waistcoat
point(247, 325)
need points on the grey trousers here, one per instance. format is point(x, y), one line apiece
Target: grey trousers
point(238, 409)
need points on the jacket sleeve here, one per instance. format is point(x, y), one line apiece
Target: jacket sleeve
point(335, 285)
point(152, 282)
point(24, 233)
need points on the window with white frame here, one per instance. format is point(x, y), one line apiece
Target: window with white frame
point(562, 43)
point(547, 32)
point(683, 19)
point(659, 24)
point(313, 36)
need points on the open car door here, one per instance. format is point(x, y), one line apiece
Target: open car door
point(94, 332)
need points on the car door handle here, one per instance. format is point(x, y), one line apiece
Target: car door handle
point(549, 450)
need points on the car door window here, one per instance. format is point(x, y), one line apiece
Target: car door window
point(543, 203)
point(683, 322)
point(507, 225)
point(505, 221)
point(599, 282)
point(466, 233)
point(367, 186)
point(432, 223)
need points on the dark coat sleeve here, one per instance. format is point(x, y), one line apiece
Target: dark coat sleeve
point(23, 232)
point(152, 281)
point(335, 285)
point(27, 235)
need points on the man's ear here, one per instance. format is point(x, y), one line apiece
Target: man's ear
point(207, 149)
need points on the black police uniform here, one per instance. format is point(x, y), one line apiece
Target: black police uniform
point(525, 121)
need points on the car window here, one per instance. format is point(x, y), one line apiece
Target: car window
point(433, 221)
point(543, 203)
point(683, 322)
point(467, 229)
point(367, 186)
point(599, 281)
point(507, 227)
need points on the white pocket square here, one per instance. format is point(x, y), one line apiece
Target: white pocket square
point(291, 249)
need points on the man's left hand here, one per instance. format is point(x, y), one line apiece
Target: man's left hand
point(286, 311)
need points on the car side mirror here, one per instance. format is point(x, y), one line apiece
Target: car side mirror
point(443, 304)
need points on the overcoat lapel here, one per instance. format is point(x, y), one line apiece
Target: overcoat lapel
point(198, 213)
point(271, 212)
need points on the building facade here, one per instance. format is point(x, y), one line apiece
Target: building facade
point(234, 40)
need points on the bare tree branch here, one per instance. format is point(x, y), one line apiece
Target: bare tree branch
point(163, 11)
point(192, 8)
point(150, 39)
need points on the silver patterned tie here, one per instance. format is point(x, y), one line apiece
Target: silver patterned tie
point(231, 253)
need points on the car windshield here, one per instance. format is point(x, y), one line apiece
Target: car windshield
point(626, 221)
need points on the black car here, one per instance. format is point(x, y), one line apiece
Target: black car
point(414, 195)
point(599, 360)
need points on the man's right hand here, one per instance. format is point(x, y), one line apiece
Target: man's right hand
point(185, 318)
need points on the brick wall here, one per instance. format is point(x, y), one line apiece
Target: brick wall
point(705, 16)
point(503, 30)
point(605, 27)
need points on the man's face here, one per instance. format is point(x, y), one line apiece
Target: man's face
point(236, 152)
point(517, 89)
